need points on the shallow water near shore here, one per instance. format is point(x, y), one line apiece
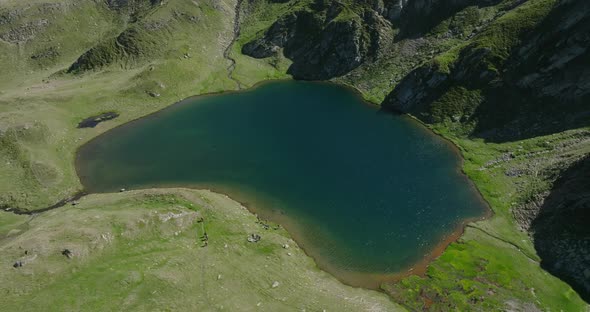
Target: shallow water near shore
point(365, 193)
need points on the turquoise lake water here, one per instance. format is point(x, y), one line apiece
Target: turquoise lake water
point(360, 190)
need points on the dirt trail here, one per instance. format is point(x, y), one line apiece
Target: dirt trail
point(61, 203)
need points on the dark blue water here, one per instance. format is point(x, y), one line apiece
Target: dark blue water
point(364, 191)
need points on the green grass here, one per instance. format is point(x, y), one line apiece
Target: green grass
point(457, 104)
point(482, 273)
point(129, 254)
point(500, 37)
point(494, 265)
point(91, 22)
point(445, 61)
point(506, 32)
point(11, 223)
point(262, 14)
point(38, 173)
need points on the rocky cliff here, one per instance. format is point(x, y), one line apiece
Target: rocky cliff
point(327, 38)
point(324, 40)
point(419, 16)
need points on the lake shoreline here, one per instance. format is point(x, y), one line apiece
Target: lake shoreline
point(368, 280)
point(355, 279)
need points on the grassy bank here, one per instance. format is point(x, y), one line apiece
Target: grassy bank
point(494, 264)
point(145, 250)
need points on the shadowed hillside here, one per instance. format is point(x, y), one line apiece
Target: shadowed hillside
point(525, 75)
point(561, 232)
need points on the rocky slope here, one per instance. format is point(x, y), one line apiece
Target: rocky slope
point(324, 40)
point(526, 75)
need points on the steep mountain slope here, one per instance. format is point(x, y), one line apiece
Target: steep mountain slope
point(525, 75)
point(560, 228)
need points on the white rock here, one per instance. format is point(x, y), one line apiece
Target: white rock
point(275, 284)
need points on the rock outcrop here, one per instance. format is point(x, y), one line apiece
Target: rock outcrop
point(323, 43)
point(417, 17)
point(390, 9)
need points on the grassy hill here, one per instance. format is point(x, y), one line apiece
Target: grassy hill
point(145, 251)
point(103, 59)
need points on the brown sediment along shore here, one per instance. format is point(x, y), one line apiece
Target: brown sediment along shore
point(368, 280)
